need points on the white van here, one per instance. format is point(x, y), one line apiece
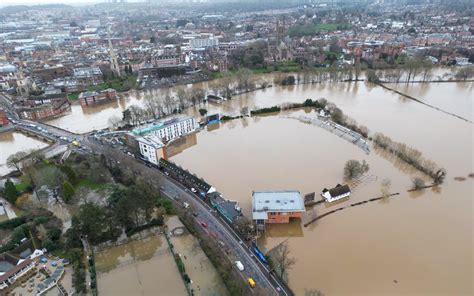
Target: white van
point(239, 265)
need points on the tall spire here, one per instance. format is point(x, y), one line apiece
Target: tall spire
point(113, 58)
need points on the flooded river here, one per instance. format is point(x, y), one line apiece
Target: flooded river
point(416, 243)
point(411, 244)
point(12, 142)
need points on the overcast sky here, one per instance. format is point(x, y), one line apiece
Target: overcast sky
point(33, 2)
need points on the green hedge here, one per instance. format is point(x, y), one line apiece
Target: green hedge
point(12, 223)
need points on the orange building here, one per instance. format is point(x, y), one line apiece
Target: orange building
point(276, 206)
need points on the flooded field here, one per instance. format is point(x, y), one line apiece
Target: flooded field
point(85, 119)
point(13, 142)
point(140, 267)
point(416, 243)
point(412, 244)
point(205, 279)
point(452, 97)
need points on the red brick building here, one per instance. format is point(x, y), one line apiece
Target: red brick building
point(3, 118)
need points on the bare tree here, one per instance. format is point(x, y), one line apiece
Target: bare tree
point(169, 103)
point(227, 85)
point(244, 79)
point(115, 121)
point(13, 161)
point(197, 96)
point(283, 261)
point(385, 187)
point(182, 96)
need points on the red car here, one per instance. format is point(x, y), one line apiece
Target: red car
point(204, 224)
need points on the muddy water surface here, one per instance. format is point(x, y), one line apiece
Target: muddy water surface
point(416, 243)
point(141, 267)
point(204, 277)
point(13, 142)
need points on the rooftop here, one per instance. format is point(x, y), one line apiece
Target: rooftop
point(277, 201)
point(158, 125)
point(151, 140)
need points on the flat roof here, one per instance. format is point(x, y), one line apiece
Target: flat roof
point(151, 140)
point(277, 201)
point(159, 124)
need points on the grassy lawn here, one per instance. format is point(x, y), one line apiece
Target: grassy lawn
point(123, 83)
point(73, 96)
point(22, 186)
point(312, 29)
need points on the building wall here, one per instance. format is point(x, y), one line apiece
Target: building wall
point(278, 217)
point(175, 130)
point(3, 118)
point(148, 152)
point(45, 111)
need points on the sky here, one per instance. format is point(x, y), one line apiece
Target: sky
point(35, 2)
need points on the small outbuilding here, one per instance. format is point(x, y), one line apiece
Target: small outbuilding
point(336, 193)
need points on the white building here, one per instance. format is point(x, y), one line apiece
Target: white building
point(462, 61)
point(151, 148)
point(170, 129)
point(151, 139)
point(203, 42)
point(336, 193)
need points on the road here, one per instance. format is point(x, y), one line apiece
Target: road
point(222, 232)
point(216, 226)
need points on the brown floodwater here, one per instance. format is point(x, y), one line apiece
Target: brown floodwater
point(456, 98)
point(204, 277)
point(413, 244)
point(12, 142)
point(416, 243)
point(139, 267)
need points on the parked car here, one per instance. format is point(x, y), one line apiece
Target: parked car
point(251, 282)
point(193, 190)
point(204, 224)
point(239, 265)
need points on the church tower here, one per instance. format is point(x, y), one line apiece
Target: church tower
point(113, 58)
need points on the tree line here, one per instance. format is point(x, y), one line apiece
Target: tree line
point(411, 156)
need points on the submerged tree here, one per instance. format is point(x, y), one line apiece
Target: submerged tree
point(282, 260)
point(353, 168)
point(418, 183)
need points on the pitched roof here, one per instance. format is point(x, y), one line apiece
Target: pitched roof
point(338, 190)
point(14, 270)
